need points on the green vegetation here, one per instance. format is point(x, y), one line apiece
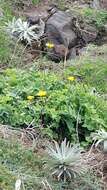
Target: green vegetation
point(35, 1)
point(92, 68)
point(97, 17)
point(7, 180)
point(17, 162)
point(91, 16)
point(17, 158)
point(65, 103)
point(5, 50)
point(10, 50)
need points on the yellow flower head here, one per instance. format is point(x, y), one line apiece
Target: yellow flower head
point(30, 98)
point(71, 78)
point(49, 45)
point(42, 93)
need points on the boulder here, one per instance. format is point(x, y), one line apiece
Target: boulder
point(60, 31)
point(65, 31)
point(89, 34)
point(59, 52)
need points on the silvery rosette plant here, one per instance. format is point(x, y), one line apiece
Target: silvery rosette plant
point(66, 160)
point(22, 31)
point(18, 184)
point(99, 137)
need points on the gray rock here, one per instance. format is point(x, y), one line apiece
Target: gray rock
point(60, 30)
point(63, 28)
point(72, 53)
point(89, 34)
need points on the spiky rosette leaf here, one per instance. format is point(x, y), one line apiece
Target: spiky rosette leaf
point(21, 30)
point(99, 136)
point(65, 153)
point(67, 160)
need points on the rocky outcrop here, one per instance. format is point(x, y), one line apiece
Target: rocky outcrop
point(67, 31)
point(60, 29)
point(64, 29)
point(89, 33)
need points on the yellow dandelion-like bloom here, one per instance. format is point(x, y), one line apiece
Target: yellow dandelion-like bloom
point(42, 93)
point(71, 78)
point(50, 45)
point(30, 98)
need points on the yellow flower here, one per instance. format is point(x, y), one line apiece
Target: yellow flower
point(42, 93)
point(50, 45)
point(71, 78)
point(30, 98)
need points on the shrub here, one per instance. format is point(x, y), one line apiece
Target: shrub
point(65, 108)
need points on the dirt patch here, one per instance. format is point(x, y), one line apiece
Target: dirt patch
point(29, 137)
